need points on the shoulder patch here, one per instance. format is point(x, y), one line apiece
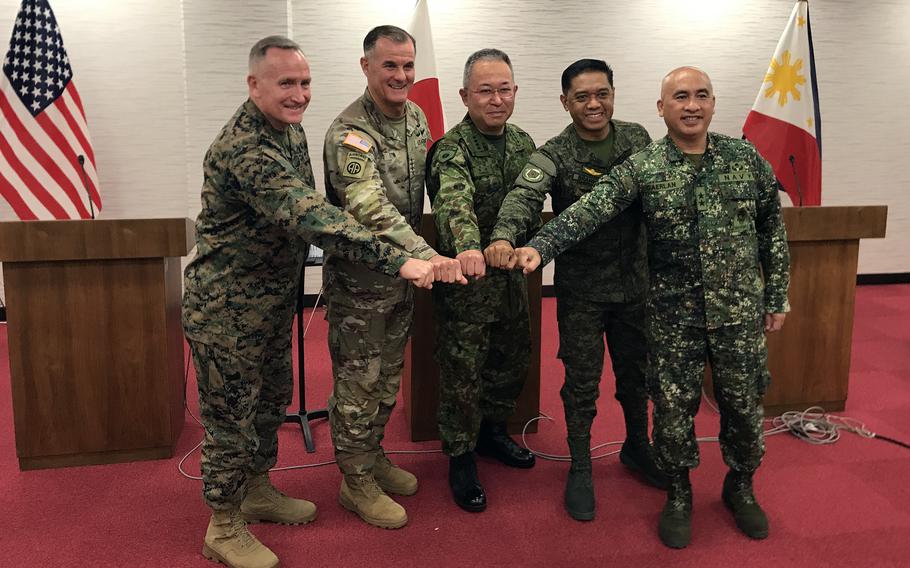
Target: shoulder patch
point(353, 165)
point(532, 174)
point(355, 142)
point(445, 154)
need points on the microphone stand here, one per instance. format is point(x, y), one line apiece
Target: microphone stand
point(799, 193)
point(302, 416)
point(91, 207)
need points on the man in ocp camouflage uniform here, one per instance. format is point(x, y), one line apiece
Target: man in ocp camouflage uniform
point(483, 341)
point(719, 272)
point(600, 282)
point(374, 157)
point(259, 209)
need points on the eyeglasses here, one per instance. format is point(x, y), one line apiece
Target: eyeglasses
point(505, 93)
point(601, 96)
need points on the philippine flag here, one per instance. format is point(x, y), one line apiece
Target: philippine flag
point(785, 123)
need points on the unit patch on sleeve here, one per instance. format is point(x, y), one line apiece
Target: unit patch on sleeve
point(353, 166)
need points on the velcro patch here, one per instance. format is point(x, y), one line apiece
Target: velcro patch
point(532, 174)
point(353, 165)
point(445, 154)
point(357, 143)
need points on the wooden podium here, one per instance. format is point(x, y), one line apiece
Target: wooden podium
point(95, 338)
point(809, 358)
point(420, 380)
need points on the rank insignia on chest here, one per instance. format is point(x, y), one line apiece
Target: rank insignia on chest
point(532, 174)
point(353, 165)
point(592, 172)
point(357, 143)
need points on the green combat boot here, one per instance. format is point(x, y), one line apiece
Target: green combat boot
point(738, 497)
point(265, 503)
point(675, 525)
point(362, 495)
point(393, 479)
point(579, 496)
point(228, 541)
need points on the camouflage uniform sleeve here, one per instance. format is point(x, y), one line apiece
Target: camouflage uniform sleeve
point(523, 204)
point(453, 206)
point(354, 175)
point(274, 189)
point(609, 197)
point(773, 250)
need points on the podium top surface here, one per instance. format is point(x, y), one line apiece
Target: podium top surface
point(835, 223)
point(36, 241)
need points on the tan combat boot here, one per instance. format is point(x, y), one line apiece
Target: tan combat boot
point(265, 503)
point(360, 494)
point(228, 541)
point(393, 479)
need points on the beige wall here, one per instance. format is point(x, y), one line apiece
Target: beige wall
point(158, 79)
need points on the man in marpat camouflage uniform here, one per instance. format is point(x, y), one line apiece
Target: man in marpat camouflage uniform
point(600, 282)
point(259, 209)
point(483, 341)
point(374, 155)
point(719, 272)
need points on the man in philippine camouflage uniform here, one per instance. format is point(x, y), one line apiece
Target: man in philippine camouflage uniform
point(719, 273)
point(601, 282)
point(259, 209)
point(374, 155)
point(483, 341)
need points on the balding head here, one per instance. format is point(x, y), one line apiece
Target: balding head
point(687, 105)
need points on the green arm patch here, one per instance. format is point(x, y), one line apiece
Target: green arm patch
point(532, 174)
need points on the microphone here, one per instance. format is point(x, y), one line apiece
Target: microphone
point(91, 207)
point(799, 193)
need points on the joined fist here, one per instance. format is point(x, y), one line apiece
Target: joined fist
point(500, 254)
point(527, 259)
point(447, 270)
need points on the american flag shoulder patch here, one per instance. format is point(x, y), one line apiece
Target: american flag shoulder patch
point(357, 143)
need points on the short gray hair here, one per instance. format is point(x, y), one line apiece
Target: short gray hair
point(259, 49)
point(486, 54)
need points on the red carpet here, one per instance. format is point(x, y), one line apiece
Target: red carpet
point(846, 504)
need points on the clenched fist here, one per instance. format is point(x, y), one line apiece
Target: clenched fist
point(500, 254)
point(447, 270)
point(527, 259)
point(418, 272)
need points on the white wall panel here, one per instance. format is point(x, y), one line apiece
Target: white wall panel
point(159, 79)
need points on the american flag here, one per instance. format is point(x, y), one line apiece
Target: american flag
point(47, 165)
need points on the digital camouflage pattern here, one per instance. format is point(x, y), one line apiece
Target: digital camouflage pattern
point(378, 177)
point(600, 282)
point(719, 261)
point(712, 231)
point(611, 264)
point(259, 209)
point(467, 181)
point(738, 356)
point(483, 342)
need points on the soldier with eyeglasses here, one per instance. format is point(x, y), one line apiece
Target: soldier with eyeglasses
point(483, 341)
point(600, 282)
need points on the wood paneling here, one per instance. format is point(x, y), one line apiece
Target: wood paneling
point(95, 344)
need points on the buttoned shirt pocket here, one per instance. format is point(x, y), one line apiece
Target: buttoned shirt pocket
point(669, 212)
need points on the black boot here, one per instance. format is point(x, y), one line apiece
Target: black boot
point(738, 497)
point(675, 525)
point(579, 496)
point(466, 488)
point(494, 442)
point(639, 457)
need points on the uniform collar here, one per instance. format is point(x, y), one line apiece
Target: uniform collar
point(674, 154)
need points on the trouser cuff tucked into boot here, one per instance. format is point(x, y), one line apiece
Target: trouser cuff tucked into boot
point(675, 524)
point(738, 496)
